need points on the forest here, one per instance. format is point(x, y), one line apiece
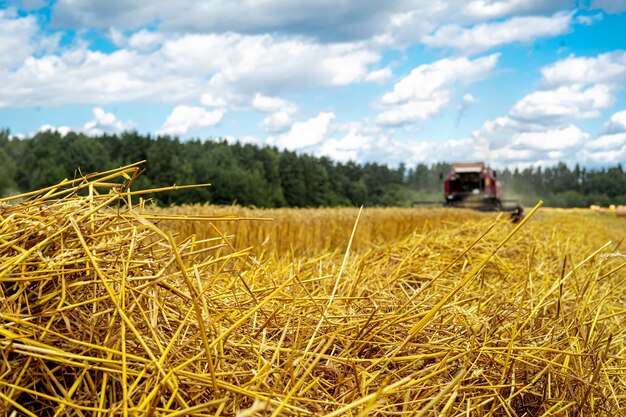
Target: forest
point(251, 175)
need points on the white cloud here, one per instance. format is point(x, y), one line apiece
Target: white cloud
point(607, 68)
point(187, 119)
point(365, 142)
point(246, 139)
point(539, 126)
point(616, 123)
point(102, 122)
point(63, 130)
point(468, 99)
point(282, 112)
point(20, 38)
point(486, 36)
point(604, 158)
point(177, 72)
point(210, 100)
point(327, 19)
point(589, 20)
point(349, 148)
point(573, 88)
point(266, 64)
point(305, 134)
point(272, 104)
point(379, 76)
point(427, 79)
point(117, 37)
point(412, 111)
point(428, 88)
point(567, 137)
point(145, 40)
point(563, 102)
point(608, 142)
point(610, 146)
point(397, 21)
point(277, 122)
point(105, 122)
point(508, 141)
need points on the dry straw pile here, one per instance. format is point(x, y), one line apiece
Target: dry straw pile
point(102, 313)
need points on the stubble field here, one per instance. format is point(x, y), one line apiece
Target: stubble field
point(111, 310)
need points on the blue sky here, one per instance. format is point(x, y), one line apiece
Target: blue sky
point(510, 82)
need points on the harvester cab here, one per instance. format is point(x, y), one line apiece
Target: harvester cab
point(475, 186)
point(472, 185)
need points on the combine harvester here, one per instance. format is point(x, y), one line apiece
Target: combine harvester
point(474, 186)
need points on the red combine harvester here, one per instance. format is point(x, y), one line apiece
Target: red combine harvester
point(472, 186)
point(475, 186)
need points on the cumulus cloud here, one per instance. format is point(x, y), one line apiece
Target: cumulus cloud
point(607, 68)
point(539, 126)
point(506, 134)
point(507, 142)
point(573, 101)
point(145, 40)
point(102, 122)
point(179, 69)
point(105, 122)
point(20, 38)
point(379, 76)
point(303, 135)
point(608, 142)
point(367, 142)
point(589, 20)
point(63, 130)
point(428, 88)
point(209, 100)
point(391, 22)
point(414, 110)
point(282, 111)
point(567, 137)
point(277, 122)
point(616, 123)
point(187, 119)
point(486, 36)
point(351, 147)
point(272, 104)
point(510, 142)
point(610, 146)
point(325, 19)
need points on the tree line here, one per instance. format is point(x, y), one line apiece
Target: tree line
point(265, 176)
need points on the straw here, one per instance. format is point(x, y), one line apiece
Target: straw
point(109, 307)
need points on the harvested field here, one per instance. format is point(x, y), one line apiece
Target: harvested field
point(310, 232)
point(439, 313)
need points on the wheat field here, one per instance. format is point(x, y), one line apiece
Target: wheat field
point(117, 309)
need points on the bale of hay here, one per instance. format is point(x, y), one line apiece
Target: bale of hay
point(620, 211)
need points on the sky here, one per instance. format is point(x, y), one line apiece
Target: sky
point(509, 82)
